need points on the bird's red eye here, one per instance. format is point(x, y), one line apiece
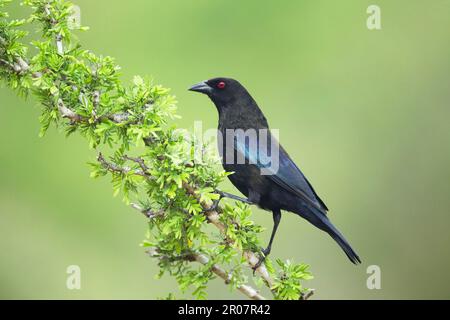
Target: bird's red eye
point(221, 85)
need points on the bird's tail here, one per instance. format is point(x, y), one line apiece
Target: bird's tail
point(321, 221)
point(339, 238)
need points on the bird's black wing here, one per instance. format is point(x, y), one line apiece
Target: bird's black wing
point(290, 177)
point(287, 175)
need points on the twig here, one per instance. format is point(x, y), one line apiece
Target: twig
point(307, 295)
point(58, 37)
point(139, 161)
point(7, 63)
point(148, 213)
point(247, 290)
point(111, 167)
point(76, 118)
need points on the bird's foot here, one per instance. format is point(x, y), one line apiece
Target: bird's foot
point(215, 205)
point(262, 259)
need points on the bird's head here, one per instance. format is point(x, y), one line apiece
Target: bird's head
point(222, 91)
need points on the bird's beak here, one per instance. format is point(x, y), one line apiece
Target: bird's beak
point(201, 87)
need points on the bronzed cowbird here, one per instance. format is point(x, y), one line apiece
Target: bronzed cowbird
point(267, 176)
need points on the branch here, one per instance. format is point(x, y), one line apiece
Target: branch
point(19, 66)
point(212, 215)
point(76, 118)
point(247, 290)
point(214, 218)
point(111, 167)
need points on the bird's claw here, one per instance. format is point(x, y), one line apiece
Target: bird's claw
point(259, 264)
point(215, 205)
point(262, 259)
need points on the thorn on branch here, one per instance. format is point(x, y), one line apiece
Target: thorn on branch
point(139, 161)
point(67, 113)
point(148, 212)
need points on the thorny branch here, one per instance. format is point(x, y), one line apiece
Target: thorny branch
point(247, 290)
point(212, 215)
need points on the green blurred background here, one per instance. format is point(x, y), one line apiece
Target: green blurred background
point(364, 113)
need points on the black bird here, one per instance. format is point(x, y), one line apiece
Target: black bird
point(285, 188)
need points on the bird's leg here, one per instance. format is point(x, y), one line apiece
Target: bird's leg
point(266, 251)
point(232, 196)
point(229, 196)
